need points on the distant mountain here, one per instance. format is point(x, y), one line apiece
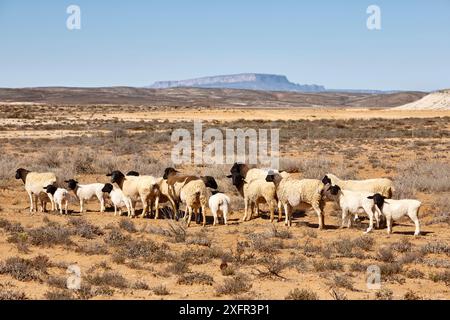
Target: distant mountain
point(249, 81)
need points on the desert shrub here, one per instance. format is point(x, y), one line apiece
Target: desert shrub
point(310, 233)
point(385, 254)
point(414, 274)
point(13, 227)
point(410, 257)
point(84, 229)
point(301, 294)
point(358, 267)
point(384, 294)
point(50, 235)
point(200, 239)
point(24, 269)
point(266, 245)
point(276, 233)
point(342, 281)
point(326, 265)
point(411, 295)
point(337, 295)
point(443, 276)
point(364, 242)
point(390, 269)
point(59, 294)
point(424, 176)
point(108, 278)
point(138, 249)
point(116, 238)
point(57, 282)
point(235, 285)
point(343, 247)
point(127, 225)
point(103, 291)
point(93, 249)
point(310, 249)
point(436, 247)
point(195, 278)
point(140, 285)
point(8, 294)
point(161, 290)
point(437, 263)
point(402, 246)
point(8, 167)
point(228, 270)
point(178, 267)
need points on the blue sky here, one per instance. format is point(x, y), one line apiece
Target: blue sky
point(135, 43)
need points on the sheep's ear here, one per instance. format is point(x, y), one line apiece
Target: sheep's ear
point(109, 175)
point(370, 197)
point(230, 176)
point(66, 181)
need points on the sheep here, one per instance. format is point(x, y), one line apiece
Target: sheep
point(194, 196)
point(241, 176)
point(144, 187)
point(59, 197)
point(292, 192)
point(395, 209)
point(85, 192)
point(164, 196)
point(353, 202)
point(259, 191)
point(118, 198)
point(383, 186)
point(35, 182)
point(176, 182)
point(219, 202)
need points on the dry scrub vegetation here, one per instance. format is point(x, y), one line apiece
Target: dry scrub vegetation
point(148, 259)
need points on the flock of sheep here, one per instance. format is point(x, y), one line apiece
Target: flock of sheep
point(279, 190)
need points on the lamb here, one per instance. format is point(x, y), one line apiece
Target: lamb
point(144, 187)
point(176, 182)
point(35, 183)
point(194, 195)
point(85, 192)
point(261, 191)
point(219, 202)
point(164, 196)
point(353, 202)
point(292, 192)
point(383, 186)
point(58, 197)
point(118, 199)
point(395, 209)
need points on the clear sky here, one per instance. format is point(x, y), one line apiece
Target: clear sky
point(134, 43)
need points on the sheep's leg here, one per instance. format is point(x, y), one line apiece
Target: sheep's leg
point(252, 207)
point(115, 210)
point(102, 203)
point(287, 213)
point(280, 211)
point(343, 217)
point(157, 208)
point(144, 206)
point(149, 206)
point(189, 209)
point(204, 215)
point(320, 216)
point(244, 218)
point(349, 220)
point(272, 211)
point(371, 214)
point(225, 215)
point(417, 224)
point(66, 206)
point(216, 219)
point(81, 206)
point(389, 224)
point(30, 194)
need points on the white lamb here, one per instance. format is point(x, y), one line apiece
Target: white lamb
point(293, 192)
point(395, 209)
point(353, 202)
point(59, 197)
point(383, 186)
point(144, 187)
point(118, 199)
point(219, 202)
point(85, 192)
point(35, 182)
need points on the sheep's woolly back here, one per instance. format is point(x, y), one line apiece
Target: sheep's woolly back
point(260, 188)
point(255, 173)
point(383, 186)
point(37, 181)
point(194, 194)
point(142, 185)
point(294, 191)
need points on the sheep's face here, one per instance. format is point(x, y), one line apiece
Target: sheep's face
point(116, 176)
point(107, 188)
point(334, 190)
point(270, 178)
point(71, 184)
point(51, 189)
point(237, 179)
point(378, 199)
point(326, 180)
point(133, 174)
point(238, 172)
point(21, 174)
point(210, 182)
point(169, 172)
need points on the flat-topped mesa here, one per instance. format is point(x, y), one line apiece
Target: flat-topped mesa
point(250, 81)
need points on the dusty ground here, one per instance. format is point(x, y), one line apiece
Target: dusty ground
point(148, 259)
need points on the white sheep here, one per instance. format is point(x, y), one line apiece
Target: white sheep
point(144, 187)
point(293, 192)
point(59, 197)
point(118, 199)
point(258, 191)
point(383, 186)
point(35, 182)
point(194, 196)
point(164, 196)
point(219, 202)
point(395, 209)
point(85, 192)
point(353, 202)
